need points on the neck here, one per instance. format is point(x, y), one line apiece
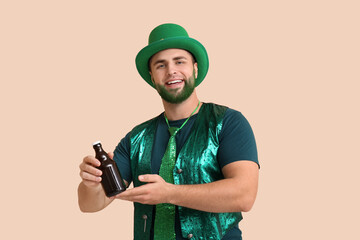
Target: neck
point(176, 111)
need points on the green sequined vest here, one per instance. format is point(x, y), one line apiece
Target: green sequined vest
point(195, 164)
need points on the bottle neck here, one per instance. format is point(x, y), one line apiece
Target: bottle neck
point(98, 148)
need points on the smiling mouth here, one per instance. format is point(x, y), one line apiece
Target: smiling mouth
point(172, 82)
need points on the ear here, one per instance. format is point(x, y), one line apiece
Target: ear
point(196, 70)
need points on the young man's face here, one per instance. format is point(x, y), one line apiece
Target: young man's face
point(173, 73)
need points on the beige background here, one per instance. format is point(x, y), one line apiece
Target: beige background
point(68, 78)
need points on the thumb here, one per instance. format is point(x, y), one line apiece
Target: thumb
point(111, 155)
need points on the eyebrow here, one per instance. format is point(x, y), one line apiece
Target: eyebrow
point(163, 60)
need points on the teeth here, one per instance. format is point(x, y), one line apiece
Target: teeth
point(173, 82)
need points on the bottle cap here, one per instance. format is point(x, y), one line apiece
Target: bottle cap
point(97, 142)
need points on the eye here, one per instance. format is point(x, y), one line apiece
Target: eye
point(160, 66)
point(179, 62)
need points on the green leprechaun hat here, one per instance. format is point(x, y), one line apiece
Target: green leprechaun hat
point(167, 36)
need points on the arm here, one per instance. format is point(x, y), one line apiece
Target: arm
point(92, 198)
point(235, 193)
point(91, 195)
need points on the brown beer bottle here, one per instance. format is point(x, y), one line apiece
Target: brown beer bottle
point(112, 181)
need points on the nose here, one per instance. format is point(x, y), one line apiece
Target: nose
point(171, 69)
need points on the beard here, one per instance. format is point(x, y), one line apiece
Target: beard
point(175, 95)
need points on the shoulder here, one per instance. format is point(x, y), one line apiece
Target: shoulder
point(215, 108)
point(125, 145)
point(230, 116)
point(237, 140)
point(143, 126)
point(233, 116)
point(125, 141)
point(213, 112)
point(236, 125)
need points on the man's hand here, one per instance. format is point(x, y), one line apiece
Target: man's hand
point(90, 175)
point(91, 195)
point(235, 193)
point(154, 192)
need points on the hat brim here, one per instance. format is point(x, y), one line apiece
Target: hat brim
point(186, 43)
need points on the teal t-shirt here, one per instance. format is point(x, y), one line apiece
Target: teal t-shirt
point(236, 142)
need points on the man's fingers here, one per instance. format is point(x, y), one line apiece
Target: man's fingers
point(150, 178)
point(89, 177)
point(111, 155)
point(92, 160)
point(130, 193)
point(90, 169)
point(142, 194)
point(133, 195)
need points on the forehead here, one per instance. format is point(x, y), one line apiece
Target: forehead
point(171, 53)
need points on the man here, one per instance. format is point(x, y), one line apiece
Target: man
point(194, 167)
